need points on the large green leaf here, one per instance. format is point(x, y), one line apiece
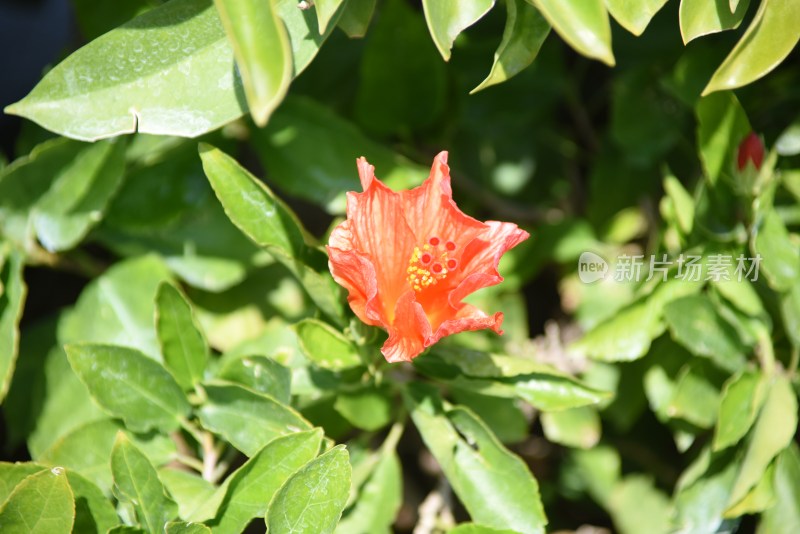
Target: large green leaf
point(43, 503)
point(248, 420)
point(577, 427)
point(583, 24)
point(271, 224)
point(313, 498)
point(784, 516)
point(128, 384)
point(310, 152)
point(12, 301)
point(326, 347)
point(261, 374)
point(184, 348)
point(144, 75)
point(79, 196)
point(701, 17)
point(326, 9)
point(118, 307)
point(780, 255)
point(634, 16)
point(251, 487)
point(356, 17)
point(772, 34)
point(702, 493)
point(741, 400)
point(136, 481)
point(448, 18)
point(721, 126)
point(262, 51)
point(523, 36)
point(189, 490)
point(504, 376)
point(495, 486)
point(772, 432)
point(181, 527)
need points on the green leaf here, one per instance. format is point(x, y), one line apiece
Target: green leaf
point(12, 301)
point(143, 76)
point(79, 196)
point(759, 498)
point(304, 36)
point(474, 528)
point(368, 408)
point(702, 17)
point(129, 385)
point(260, 374)
point(326, 347)
point(768, 40)
point(695, 398)
point(118, 306)
point(42, 503)
point(356, 17)
point(182, 343)
point(311, 152)
point(772, 432)
point(682, 201)
point(741, 400)
point(190, 491)
point(788, 144)
point(11, 474)
point(262, 51)
point(495, 486)
point(378, 499)
point(780, 256)
point(523, 36)
point(635, 502)
point(448, 18)
point(577, 427)
point(634, 16)
point(251, 488)
point(722, 124)
point(583, 24)
point(93, 511)
point(702, 493)
point(86, 450)
point(504, 376)
point(784, 516)
point(790, 310)
point(326, 9)
point(137, 482)
point(696, 325)
point(271, 224)
point(248, 420)
point(179, 527)
point(313, 498)
point(504, 417)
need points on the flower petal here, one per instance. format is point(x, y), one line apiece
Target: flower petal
point(409, 331)
point(481, 257)
point(355, 272)
point(431, 211)
point(468, 318)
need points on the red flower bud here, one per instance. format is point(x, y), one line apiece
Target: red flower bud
point(750, 149)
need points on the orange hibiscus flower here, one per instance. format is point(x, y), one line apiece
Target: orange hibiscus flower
point(409, 258)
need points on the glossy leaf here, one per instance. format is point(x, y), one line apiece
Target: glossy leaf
point(768, 40)
point(722, 124)
point(118, 306)
point(448, 18)
point(368, 408)
point(179, 527)
point(136, 481)
point(271, 224)
point(525, 32)
point(253, 485)
point(578, 427)
point(356, 17)
point(583, 24)
point(741, 400)
point(248, 420)
point(12, 301)
point(129, 385)
point(192, 493)
point(772, 432)
point(695, 324)
point(42, 503)
point(495, 486)
point(325, 10)
point(262, 51)
point(780, 256)
point(701, 17)
point(326, 347)
point(261, 374)
point(182, 343)
point(313, 498)
point(504, 376)
point(634, 16)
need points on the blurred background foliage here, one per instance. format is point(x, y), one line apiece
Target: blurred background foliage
point(638, 407)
